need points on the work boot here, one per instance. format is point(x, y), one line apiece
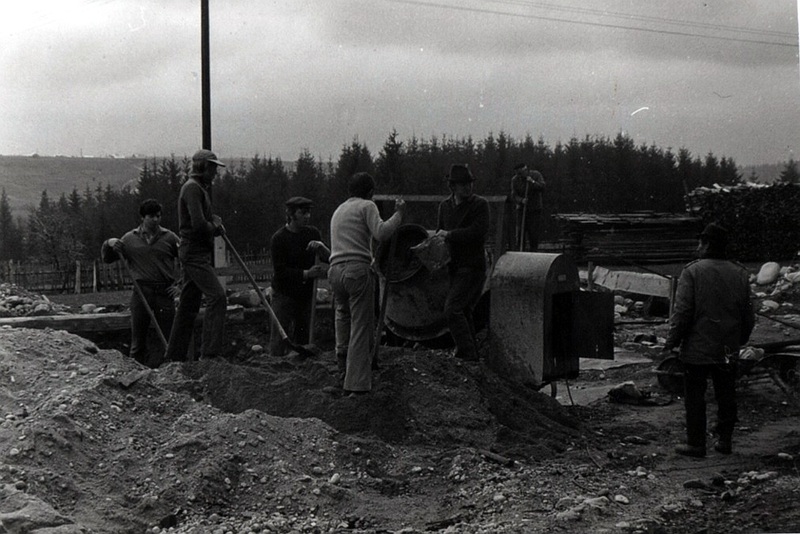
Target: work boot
point(723, 446)
point(691, 450)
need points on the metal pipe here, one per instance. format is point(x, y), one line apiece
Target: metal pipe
point(205, 54)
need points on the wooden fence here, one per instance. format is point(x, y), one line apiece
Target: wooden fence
point(93, 276)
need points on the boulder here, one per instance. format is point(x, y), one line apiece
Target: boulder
point(768, 273)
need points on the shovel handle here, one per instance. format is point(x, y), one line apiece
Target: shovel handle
point(255, 285)
point(150, 311)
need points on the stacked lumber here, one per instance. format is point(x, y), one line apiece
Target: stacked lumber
point(763, 220)
point(637, 237)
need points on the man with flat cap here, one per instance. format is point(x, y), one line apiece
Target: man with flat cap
point(712, 318)
point(197, 227)
point(295, 249)
point(463, 220)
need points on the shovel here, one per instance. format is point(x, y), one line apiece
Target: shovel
point(147, 307)
point(524, 214)
point(313, 317)
point(300, 349)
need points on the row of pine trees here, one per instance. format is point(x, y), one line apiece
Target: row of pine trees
point(590, 175)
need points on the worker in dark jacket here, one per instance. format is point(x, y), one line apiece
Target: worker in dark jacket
point(197, 227)
point(463, 221)
point(294, 250)
point(151, 252)
point(712, 318)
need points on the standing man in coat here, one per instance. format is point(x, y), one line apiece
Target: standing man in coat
point(712, 318)
point(151, 252)
point(354, 224)
point(197, 227)
point(527, 187)
point(294, 250)
point(463, 221)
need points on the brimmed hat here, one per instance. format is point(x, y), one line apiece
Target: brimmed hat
point(207, 155)
point(460, 174)
point(299, 202)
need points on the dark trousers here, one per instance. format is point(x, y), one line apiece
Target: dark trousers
point(696, 380)
point(199, 279)
point(466, 286)
point(294, 315)
point(163, 308)
point(533, 226)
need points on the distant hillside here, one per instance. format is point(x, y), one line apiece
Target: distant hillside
point(25, 177)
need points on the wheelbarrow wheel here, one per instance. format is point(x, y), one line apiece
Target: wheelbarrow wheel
point(670, 375)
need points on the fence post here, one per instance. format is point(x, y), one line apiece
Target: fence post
point(94, 276)
point(77, 277)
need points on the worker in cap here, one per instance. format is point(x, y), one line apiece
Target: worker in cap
point(197, 227)
point(354, 224)
point(299, 257)
point(463, 223)
point(712, 318)
point(527, 187)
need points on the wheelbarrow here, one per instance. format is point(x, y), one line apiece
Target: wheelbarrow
point(779, 360)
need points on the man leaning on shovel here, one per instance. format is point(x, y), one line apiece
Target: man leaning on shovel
point(295, 250)
point(150, 252)
point(527, 187)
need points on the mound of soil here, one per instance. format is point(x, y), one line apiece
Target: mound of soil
point(91, 441)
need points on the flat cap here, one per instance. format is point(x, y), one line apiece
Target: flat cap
point(299, 202)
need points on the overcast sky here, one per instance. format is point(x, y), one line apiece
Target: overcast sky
point(123, 76)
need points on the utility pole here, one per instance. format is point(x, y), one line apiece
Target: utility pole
point(205, 73)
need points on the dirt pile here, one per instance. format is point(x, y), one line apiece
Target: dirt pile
point(91, 441)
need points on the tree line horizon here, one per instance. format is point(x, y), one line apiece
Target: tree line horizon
point(595, 174)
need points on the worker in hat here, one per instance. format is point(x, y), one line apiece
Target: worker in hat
point(463, 221)
point(295, 250)
point(151, 252)
point(354, 224)
point(197, 227)
point(527, 187)
point(712, 318)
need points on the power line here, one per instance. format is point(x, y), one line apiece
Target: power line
point(646, 18)
point(586, 23)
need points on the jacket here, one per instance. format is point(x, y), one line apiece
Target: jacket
point(713, 315)
point(467, 225)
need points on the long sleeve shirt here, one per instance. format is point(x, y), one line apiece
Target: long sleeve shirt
point(353, 226)
point(195, 219)
point(519, 184)
point(151, 258)
point(467, 225)
point(713, 314)
point(290, 257)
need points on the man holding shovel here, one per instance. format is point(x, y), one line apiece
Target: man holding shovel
point(197, 227)
point(527, 187)
point(294, 250)
point(150, 252)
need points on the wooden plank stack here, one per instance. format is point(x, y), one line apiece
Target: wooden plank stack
point(637, 237)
